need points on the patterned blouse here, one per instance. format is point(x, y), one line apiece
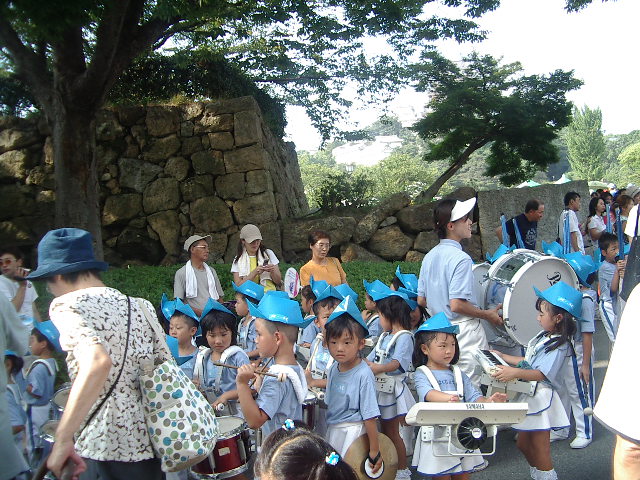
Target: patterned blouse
point(98, 315)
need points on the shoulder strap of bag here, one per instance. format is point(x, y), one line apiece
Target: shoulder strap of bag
point(157, 330)
point(115, 382)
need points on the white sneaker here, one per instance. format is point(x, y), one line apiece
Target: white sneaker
point(403, 474)
point(580, 442)
point(557, 436)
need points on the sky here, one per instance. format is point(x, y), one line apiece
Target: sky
point(599, 43)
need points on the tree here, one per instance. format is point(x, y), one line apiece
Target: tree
point(485, 103)
point(70, 54)
point(585, 143)
point(630, 163)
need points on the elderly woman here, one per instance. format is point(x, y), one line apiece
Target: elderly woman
point(254, 261)
point(106, 337)
point(320, 266)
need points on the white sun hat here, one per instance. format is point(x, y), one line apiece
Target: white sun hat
point(460, 209)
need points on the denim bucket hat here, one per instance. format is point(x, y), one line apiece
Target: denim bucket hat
point(65, 250)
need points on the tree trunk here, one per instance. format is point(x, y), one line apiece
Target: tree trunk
point(75, 163)
point(428, 194)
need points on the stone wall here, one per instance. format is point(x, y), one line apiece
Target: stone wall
point(165, 172)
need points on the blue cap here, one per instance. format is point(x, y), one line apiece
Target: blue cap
point(172, 343)
point(49, 330)
point(317, 287)
point(554, 249)
point(10, 353)
point(280, 310)
point(277, 293)
point(374, 286)
point(439, 323)
point(213, 305)
point(583, 265)
point(250, 289)
point(349, 308)
point(501, 250)
point(329, 292)
point(563, 296)
point(170, 307)
point(411, 297)
point(377, 295)
point(345, 290)
point(409, 280)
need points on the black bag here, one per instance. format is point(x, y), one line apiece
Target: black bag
point(632, 270)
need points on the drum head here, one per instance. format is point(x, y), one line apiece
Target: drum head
point(519, 305)
point(480, 270)
point(230, 426)
point(359, 449)
point(61, 397)
point(48, 430)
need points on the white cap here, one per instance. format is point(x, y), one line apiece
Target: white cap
point(460, 209)
point(250, 233)
point(194, 238)
point(632, 190)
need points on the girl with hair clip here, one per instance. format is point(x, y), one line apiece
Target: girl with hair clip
point(352, 406)
point(557, 306)
point(219, 328)
point(294, 452)
point(439, 379)
point(390, 362)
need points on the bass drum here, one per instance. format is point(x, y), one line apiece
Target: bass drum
point(510, 281)
point(480, 274)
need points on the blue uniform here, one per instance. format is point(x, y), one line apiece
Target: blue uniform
point(447, 383)
point(227, 376)
point(351, 395)
point(309, 333)
point(608, 304)
point(247, 334)
point(187, 367)
point(402, 351)
point(321, 361)
point(373, 325)
point(42, 383)
point(17, 415)
point(279, 401)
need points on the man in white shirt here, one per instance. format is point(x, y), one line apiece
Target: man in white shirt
point(571, 207)
point(18, 290)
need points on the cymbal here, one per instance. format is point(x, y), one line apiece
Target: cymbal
point(359, 449)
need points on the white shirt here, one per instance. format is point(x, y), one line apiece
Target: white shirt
point(573, 227)
point(9, 288)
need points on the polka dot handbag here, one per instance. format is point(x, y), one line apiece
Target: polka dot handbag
point(181, 423)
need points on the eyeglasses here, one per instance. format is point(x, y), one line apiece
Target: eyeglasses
point(6, 261)
point(322, 246)
point(206, 247)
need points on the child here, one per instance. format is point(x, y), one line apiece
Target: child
point(40, 379)
point(309, 293)
point(352, 407)
point(183, 326)
point(609, 276)
point(345, 290)
point(370, 314)
point(247, 292)
point(219, 383)
point(277, 322)
point(546, 353)
point(578, 391)
point(439, 379)
point(293, 452)
point(390, 362)
point(17, 416)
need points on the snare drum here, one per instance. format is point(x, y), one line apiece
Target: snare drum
point(309, 407)
point(48, 431)
point(59, 399)
point(230, 456)
point(510, 281)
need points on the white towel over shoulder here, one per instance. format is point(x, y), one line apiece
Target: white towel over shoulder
point(191, 287)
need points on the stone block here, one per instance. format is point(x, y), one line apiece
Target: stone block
point(192, 110)
point(221, 140)
point(129, 116)
point(166, 225)
point(177, 167)
point(232, 247)
point(245, 159)
point(247, 128)
point(210, 214)
point(294, 234)
point(390, 243)
point(14, 139)
point(387, 222)
point(135, 243)
point(230, 186)
point(208, 161)
point(231, 105)
point(371, 221)
point(16, 199)
point(39, 176)
point(14, 165)
point(217, 246)
point(162, 120)
point(473, 246)
point(416, 218)
point(107, 126)
point(136, 174)
point(256, 209)
point(196, 187)
point(211, 122)
point(162, 194)
point(259, 181)
point(272, 237)
point(160, 149)
point(17, 232)
point(186, 129)
point(425, 241)
point(191, 145)
point(118, 209)
point(350, 252)
point(414, 256)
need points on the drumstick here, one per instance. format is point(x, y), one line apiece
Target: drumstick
point(280, 376)
point(261, 368)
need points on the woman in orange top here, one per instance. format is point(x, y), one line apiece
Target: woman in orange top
point(320, 266)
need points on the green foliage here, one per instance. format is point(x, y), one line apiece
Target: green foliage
point(401, 172)
point(343, 189)
point(630, 163)
point(586, 145)
point(483, 102)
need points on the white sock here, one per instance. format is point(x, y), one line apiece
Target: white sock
point(547, 474)
point(533, 471)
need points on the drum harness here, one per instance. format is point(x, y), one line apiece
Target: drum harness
point(427, 433)
point(381, 355)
